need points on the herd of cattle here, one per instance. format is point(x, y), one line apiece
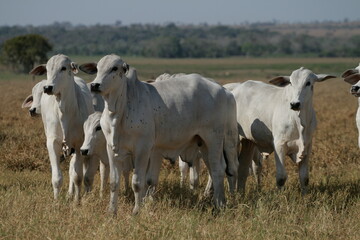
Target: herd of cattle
point(129, 125)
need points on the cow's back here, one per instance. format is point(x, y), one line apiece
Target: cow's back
point(256, 104)
point(187, 104)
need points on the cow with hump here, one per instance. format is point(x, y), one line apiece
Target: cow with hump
point(148, 122)
point(277, 118)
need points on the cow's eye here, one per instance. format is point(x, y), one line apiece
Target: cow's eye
point(114, 69)
point(63, 69)
point(307, 84)
point(98, 128)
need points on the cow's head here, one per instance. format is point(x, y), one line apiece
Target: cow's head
point(352, 76)
point(299, 86)
point(93, 134)
point(110, 71)
point(33, 101)
point(60, 71)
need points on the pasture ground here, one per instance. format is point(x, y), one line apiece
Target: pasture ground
point(331, 210)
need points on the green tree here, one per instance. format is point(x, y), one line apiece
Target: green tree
point(23, 52)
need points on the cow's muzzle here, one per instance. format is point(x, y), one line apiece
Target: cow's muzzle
point(48, 89)
point(95, 87)
point(295, 106)
point(84, 152)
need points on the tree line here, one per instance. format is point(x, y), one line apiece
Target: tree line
point(185, 41)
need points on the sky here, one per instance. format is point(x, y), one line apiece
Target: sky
point(229, 12)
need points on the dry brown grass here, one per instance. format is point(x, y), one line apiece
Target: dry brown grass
point(330, 210)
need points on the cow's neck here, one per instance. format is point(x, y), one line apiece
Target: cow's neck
point(115, 101)
point(305, 124)
point(69, 111)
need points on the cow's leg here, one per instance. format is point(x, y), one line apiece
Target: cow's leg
point(194, 173)
point(245, 158)
point(152, 175)
point(217, 169)
point(76, 174)
point(184, 168)
point(141, 162)
point(115, 171)
point(281, 175)
point(104, 172)
point(304, 171)
point(54, 149)
point(257, 167)
point(91, 165)
point(209, 186)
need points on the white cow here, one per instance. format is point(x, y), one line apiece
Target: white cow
point(148, 122)
point(352, 76)
point(64, 108)
point(277, 118)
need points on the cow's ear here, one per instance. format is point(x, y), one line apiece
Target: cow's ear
point(39, 70)
point(74, 67)
point(352, 79)
point(323, 77)
point(27, 102)
point(89, 68)
point(125, 67)
point(281, 81)
point(349, 72)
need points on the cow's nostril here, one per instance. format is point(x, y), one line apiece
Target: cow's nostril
point(48, 89)
point(95, 87)
point(355, 88)
point(84, 152)
point(295, 106)
point(32, 111)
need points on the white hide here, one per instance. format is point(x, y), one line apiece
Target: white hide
point(194, 167)
point(148, 122)
point(64, 109)
point(277, 118)
point(352, 76)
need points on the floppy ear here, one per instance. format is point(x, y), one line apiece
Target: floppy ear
point(349, 72)
point(27, 102)
point(74, 67)
point(281, 81)
point(323, 77)
point(125, 67)
point(89, 68)
point(39, 70)
point(352, 79)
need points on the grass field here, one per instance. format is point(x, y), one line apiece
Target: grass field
point(331, 210)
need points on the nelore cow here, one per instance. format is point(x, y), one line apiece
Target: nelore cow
point(277, 118)
point(148, 122)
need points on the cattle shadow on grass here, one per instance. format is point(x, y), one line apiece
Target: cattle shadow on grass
point(173, 195)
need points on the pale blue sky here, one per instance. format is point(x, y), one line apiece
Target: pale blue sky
point(88, 12)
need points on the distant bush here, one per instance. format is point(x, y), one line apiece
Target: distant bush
point(23, 52)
